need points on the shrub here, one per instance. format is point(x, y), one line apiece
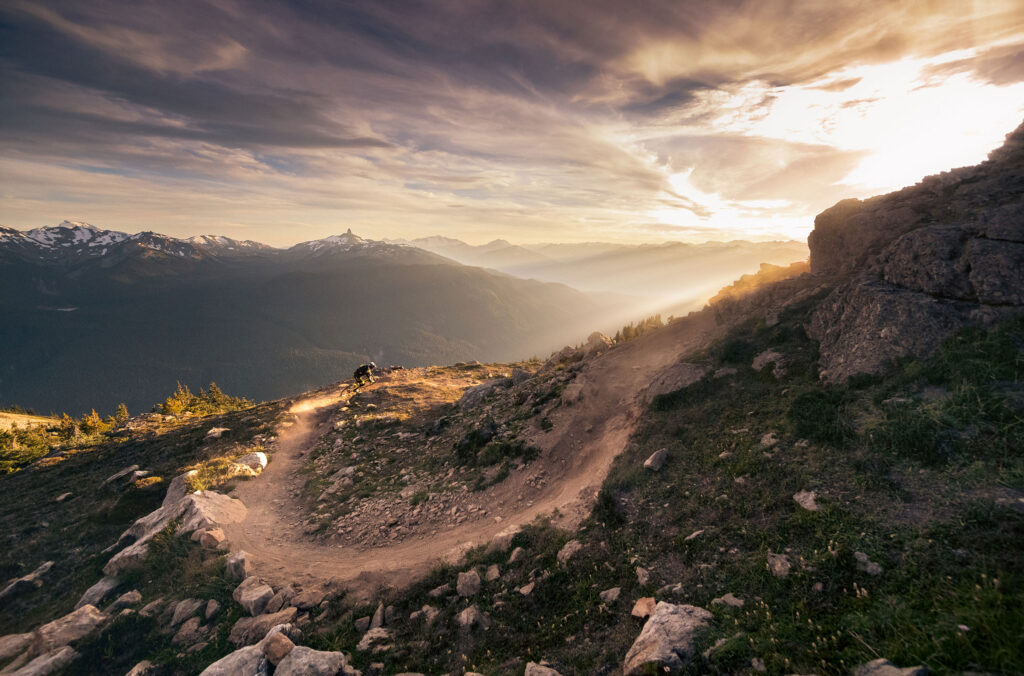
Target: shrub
point(818, 415)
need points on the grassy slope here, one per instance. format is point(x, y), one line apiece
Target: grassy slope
point(925, 488)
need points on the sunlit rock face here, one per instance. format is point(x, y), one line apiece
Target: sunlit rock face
point(920, 263)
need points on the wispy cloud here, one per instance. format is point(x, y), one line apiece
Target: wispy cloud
point(526, 120)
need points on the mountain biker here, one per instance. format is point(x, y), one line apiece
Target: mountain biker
point(364, 374)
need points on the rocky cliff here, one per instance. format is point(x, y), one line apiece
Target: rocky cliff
point(915, 265)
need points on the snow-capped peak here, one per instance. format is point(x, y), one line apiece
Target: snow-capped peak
point(74, 234)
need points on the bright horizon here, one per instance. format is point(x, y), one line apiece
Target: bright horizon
point(530, 122)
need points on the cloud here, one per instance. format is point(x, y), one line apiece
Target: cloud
point(528, 120)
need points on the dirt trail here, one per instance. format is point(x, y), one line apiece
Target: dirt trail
point(578, 452)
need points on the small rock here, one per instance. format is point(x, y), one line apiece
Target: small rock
point(779, 564)
point(806, 500)
point(185, 609)
point(728, 600)
point(534, 669)
point(24, 584)
point(517, 555)
point(188, 633)
point(125, 600)
point(378, 617)
point(151, 608)
point(472, 617)
point(694, 535)
point(643, 607)
point(657, 460)
point(276, 647)
point(362, 624)
point(303, 661)
point(611, 595)
point(252, 629)
point(758, 664)
point(883, 667)
point(438, 592)
point(249, 661)
point(468, 583)
point(217, 432)
point(49, 662)
point(212, 538)
point(95, 594)
point(493, 573)
point(237, 566)
point(256, 461)
point(768, 440)
point(568, 551)
point(527, 588)
point(376, 640)
point(253, 595)
point(643, 575)
point(63, 496)
point(310, 598)
point(212, 608)
point(817, 587)
point(867, 565)
point(143, 668)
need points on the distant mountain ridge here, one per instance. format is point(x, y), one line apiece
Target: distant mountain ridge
point(93, 317)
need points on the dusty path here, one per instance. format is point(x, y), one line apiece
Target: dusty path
point(578, 452)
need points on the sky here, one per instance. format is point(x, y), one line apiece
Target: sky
point(575, 120)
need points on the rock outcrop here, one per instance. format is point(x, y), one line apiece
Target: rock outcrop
point(916, 265)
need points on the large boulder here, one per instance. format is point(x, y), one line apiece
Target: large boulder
point(66, 630)
point(253, 594)
point(666, 641)
point(302, 661)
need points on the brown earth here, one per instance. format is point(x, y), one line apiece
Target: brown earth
point(577, 453)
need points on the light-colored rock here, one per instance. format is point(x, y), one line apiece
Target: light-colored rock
point(143, 668)
point(597, 342)
point(527, 588)
point(33, 580)
point(281, 599)
point(256, 461)
point(666, 640)
point(217, 432)
point(376, 640)
point(768, 439)
point(302, 661)
point(211, 538)
point(209, 509)
point(493, 573)
point(63, 496)
point(472, 617)
point(643, 575)
point(806, 499)
point(212, 608)
point(517, 555)
point(48, 663)
point(276, 647)
point(252, 629)
point(253, 594)
point(569, 550)
point(189, 633)
point(729, 600)
point(883, 667)
point(310, 598)
point(97, 593)
point(475, 396)
point(248, 661)
point(238, 566)
point(694, 535)
point(12, 644)
point(125, 600)
point(501, 542)
point(134, 540)
point(534, 669)
point(438, 592)
point(610, 595)
point(151, 608)
point(68, 629)
point(468, 583)
point(118, 476)
point(362, 624)
point(378, 616)
point(673, 379)
point(866, 565)
point(779, 564)
point(656, 460)
point(643, 607)
point(185, 609)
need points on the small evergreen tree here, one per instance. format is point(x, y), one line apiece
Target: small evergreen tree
point(121, 415)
